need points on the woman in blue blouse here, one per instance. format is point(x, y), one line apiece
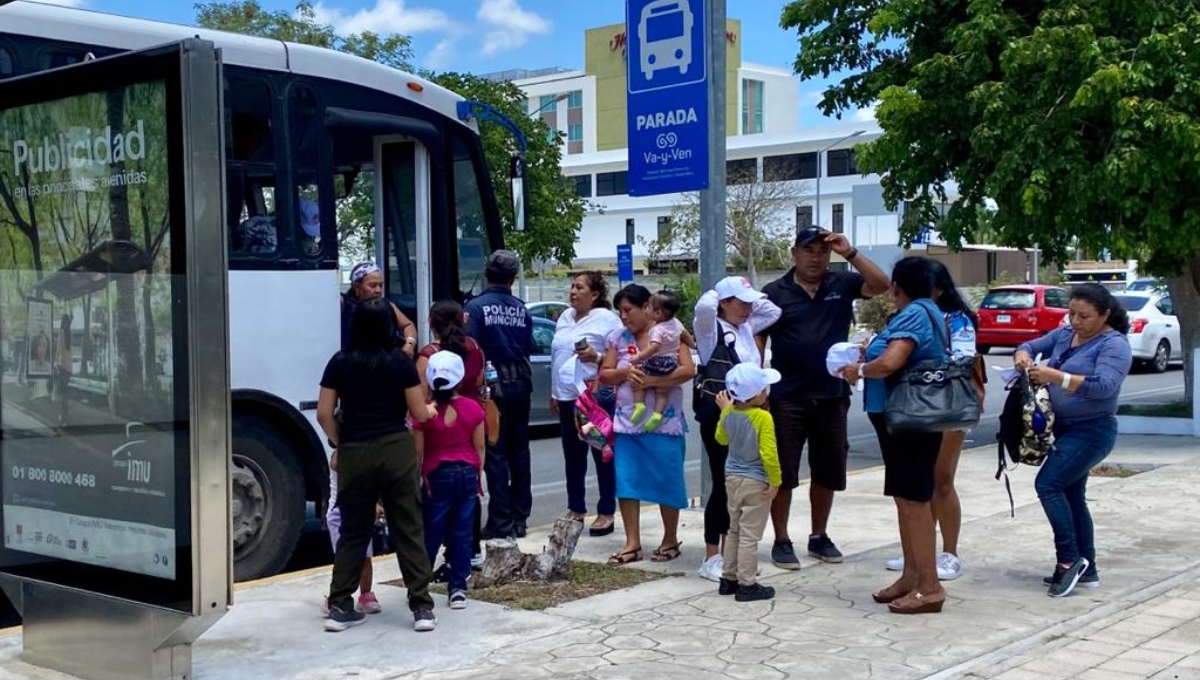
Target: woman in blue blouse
point(909, 458)
point(1087, 365)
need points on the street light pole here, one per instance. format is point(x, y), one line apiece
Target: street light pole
point(820, 171)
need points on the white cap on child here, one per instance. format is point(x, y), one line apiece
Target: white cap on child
point(447, 367)
point(747, 379)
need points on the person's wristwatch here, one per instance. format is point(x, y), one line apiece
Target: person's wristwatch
point(852, 254)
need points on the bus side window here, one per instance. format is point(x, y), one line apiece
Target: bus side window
point(250, 169)
point(306, 136)
point(7, 65)
point(470, 221)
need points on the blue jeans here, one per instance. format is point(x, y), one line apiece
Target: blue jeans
point(449, 512)
point(1062, 485)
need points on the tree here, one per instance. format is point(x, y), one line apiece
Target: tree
point(555, 211)
point(249, 18)
point(759, 224)
point(1078, 119)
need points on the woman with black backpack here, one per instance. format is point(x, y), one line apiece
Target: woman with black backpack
point(727, 319)
point(1087, 365)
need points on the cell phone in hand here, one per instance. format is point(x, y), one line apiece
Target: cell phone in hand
point(581, 344)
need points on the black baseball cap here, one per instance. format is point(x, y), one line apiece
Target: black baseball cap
point(809, 234)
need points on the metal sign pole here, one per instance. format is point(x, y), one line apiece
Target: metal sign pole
point(712, 199)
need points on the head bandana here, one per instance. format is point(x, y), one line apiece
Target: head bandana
point(362, 271)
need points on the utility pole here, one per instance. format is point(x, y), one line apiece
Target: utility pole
point(712, 199)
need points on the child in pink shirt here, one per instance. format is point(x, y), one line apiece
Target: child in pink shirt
point(451, 448)
point(661, 355)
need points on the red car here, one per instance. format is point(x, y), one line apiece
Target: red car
point(1011, 315)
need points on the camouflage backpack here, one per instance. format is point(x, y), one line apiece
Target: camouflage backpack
point(1026, 428)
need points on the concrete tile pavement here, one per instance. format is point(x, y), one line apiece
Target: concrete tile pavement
point(998, 622)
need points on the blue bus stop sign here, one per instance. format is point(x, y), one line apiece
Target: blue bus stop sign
point(668, 96)
point(624, 262)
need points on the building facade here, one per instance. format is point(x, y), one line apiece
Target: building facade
point(587, 109)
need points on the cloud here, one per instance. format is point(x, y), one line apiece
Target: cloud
point(442, 55)
point(507, 26)
point(387, 16)
point(865, 115)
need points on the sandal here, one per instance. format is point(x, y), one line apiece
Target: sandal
point(620, 558)
point(890, 594)
point(599, 528)
point(666, 553)
point(915, 603)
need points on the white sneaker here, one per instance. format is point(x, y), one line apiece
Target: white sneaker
point(458, 599)
point(895, 564)
point(949, 567)
point(712, 568)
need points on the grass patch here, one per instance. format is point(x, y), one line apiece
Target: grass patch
point(1174, 409)
point(587, 579)
point(1107, 470)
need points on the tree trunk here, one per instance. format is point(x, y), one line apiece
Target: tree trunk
point(506, 563)
point(1185, 295)
point(128, 376)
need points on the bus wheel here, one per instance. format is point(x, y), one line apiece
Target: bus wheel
point(267, 496)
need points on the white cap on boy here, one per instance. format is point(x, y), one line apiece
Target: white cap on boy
point(746, 380)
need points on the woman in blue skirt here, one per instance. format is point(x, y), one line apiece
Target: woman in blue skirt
point(649, 465)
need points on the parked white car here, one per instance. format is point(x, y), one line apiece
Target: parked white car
point(1153, 329)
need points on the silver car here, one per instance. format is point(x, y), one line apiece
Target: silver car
point(543, 336)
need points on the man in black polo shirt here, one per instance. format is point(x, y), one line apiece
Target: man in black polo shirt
point(809, 404)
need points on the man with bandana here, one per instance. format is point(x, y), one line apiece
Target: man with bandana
point(366, 282)
point(500, 323)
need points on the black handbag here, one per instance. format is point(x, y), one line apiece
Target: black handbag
point(934, 396)
point(710, 377)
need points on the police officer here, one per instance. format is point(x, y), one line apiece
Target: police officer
point(500, 323)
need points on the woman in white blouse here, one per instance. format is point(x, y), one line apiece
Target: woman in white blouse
point(577, 348)
point(733, 312)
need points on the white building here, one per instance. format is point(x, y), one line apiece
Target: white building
point(587, 108)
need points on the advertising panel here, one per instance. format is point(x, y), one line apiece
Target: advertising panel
point(93, 459)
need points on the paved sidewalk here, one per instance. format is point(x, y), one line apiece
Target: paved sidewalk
point(998, 622)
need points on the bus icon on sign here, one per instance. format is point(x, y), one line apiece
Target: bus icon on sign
point(665, 37)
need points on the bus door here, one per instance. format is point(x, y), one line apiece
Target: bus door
point(402, 195)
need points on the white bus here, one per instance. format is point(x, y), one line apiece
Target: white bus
point(303, 127)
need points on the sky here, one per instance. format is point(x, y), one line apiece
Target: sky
point(483, 36)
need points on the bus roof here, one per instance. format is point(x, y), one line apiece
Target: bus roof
point(35, 19)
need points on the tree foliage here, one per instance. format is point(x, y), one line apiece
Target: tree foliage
point(301, 26)
point(759, 225)
point(555, 211)
point(1081, 120)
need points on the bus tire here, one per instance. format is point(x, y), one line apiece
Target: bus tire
point(267, 498)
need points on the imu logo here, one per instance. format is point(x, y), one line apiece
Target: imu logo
point(136, 469)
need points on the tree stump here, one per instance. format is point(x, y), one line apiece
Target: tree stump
point(505, 563)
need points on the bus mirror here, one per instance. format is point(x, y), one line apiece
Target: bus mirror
point(520, 197)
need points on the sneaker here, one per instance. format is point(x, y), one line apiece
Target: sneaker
point(728, 586)
point(754, 592)
point(458, 599)
point(369, 604)
point(477, 561)
point(424, 621)
point(340, 619)
point(820, 547)
point(1090, 579)
point(1065, 579)
point(783, 555)
point(949, 567)
point(711, 569)
point(895, 564)
point(325, 607)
